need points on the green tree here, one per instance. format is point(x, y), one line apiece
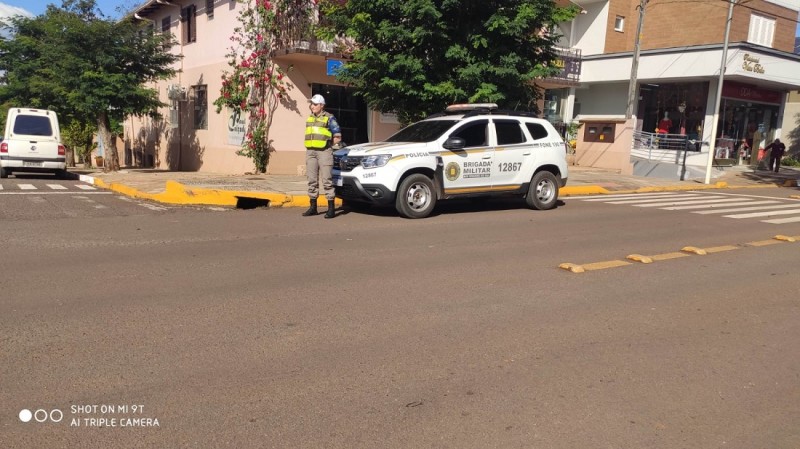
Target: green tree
point(86, 67)
point(415, 57)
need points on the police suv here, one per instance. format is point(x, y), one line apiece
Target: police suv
point(469, 150)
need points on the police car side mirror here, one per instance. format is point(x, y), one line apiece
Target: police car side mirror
point(454, 143)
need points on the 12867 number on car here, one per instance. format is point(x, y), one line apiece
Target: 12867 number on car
point(509, 166)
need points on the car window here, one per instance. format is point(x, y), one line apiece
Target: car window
point(33, 125)
point(537, 131)
point(509, 132)
point(474, 133)
point(425, 131)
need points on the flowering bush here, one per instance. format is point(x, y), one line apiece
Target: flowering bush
point(255, 85)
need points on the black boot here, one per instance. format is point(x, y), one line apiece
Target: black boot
point(331, 209)
point(312, 209)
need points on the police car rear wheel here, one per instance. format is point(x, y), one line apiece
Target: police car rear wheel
point(415, 197)
point(543, 191)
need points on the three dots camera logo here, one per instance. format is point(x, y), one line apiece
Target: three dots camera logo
point(452, 171)
point(41, 415)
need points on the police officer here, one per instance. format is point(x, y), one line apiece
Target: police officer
point(322, 134)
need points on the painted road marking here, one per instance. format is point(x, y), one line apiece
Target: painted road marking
point(701, 206)
point(56, 187)
point(631, 196)
point(53, 193)
point(26, 186)
point(751, 206)
point(86, 187)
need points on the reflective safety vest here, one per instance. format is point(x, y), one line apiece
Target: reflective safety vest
point(317, 132)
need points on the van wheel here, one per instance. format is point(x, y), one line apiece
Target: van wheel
point(543, 191)
point(4, 172)
point(416, 196)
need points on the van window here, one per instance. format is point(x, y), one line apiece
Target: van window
point(33, 125)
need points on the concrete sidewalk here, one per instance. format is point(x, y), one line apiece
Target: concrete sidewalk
point(200, 188)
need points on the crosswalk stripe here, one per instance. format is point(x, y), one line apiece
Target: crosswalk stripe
point(693, 201)
point(702, 206)
point(26, 186)
point(1, 186)
point(655, 200)
point(745, 209)
point(634, 195)
point(86, 187)
point(764, 214)
point(56, 187)
point(783, 220)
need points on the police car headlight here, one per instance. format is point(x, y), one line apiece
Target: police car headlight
point(378, 160)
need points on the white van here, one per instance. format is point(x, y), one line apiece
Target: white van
point(32, 143)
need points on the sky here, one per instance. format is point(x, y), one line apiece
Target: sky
point(36, 7)
point(108, 7)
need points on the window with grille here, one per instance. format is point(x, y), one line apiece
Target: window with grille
point(210, 9)
point(200, 103)
point(165, 24)
point(189, 21)
point(762, 30)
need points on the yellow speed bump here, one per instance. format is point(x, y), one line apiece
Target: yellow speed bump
point(694, 250)
point(785, 238)
point(572, 267)
point(763, 242)
point(719, 249)
point(640, 258)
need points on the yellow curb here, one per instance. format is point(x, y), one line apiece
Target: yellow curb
point(794, 196)
point(640, 258)
point(790, 183)
point(694, 250)
point(597, 190)
point(583, 190)
point(177, 193)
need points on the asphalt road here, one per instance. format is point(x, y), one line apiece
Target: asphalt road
point(263, 328)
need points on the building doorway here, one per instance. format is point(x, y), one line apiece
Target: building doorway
point(349, 109)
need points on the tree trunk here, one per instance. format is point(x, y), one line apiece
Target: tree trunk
point(110, 156)
point(70, 157)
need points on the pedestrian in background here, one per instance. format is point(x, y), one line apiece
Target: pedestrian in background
point(322, 134)
point(776, 150)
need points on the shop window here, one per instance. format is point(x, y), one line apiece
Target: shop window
point(762, 30)
point(509, 132)
point(200, 103)
point(189, 21)
point(619, 23)
point(599, 132)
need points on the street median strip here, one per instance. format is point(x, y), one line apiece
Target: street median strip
point(686, 251)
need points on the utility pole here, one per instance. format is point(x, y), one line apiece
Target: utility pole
point(713, 141)
point(635, 63)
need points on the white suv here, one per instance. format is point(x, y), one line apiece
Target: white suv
point(32, 143)
point(469, 150)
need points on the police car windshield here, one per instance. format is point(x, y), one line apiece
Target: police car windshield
point(424, 131)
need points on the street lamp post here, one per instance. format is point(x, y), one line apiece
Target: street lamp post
point(712, 143)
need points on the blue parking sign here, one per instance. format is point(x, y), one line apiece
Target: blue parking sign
point(333, 66)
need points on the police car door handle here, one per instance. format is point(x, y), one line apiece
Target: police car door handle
point(527, 153)
point(488, 156)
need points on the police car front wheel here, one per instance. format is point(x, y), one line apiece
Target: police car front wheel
point(416, 196)
point(543, 191)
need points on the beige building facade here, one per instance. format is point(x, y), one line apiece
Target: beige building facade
point(192, 136)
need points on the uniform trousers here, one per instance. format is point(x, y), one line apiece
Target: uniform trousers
point(319, 164)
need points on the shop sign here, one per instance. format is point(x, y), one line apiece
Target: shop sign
point(237, 126)
point(752, 64)
point(748, 92)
